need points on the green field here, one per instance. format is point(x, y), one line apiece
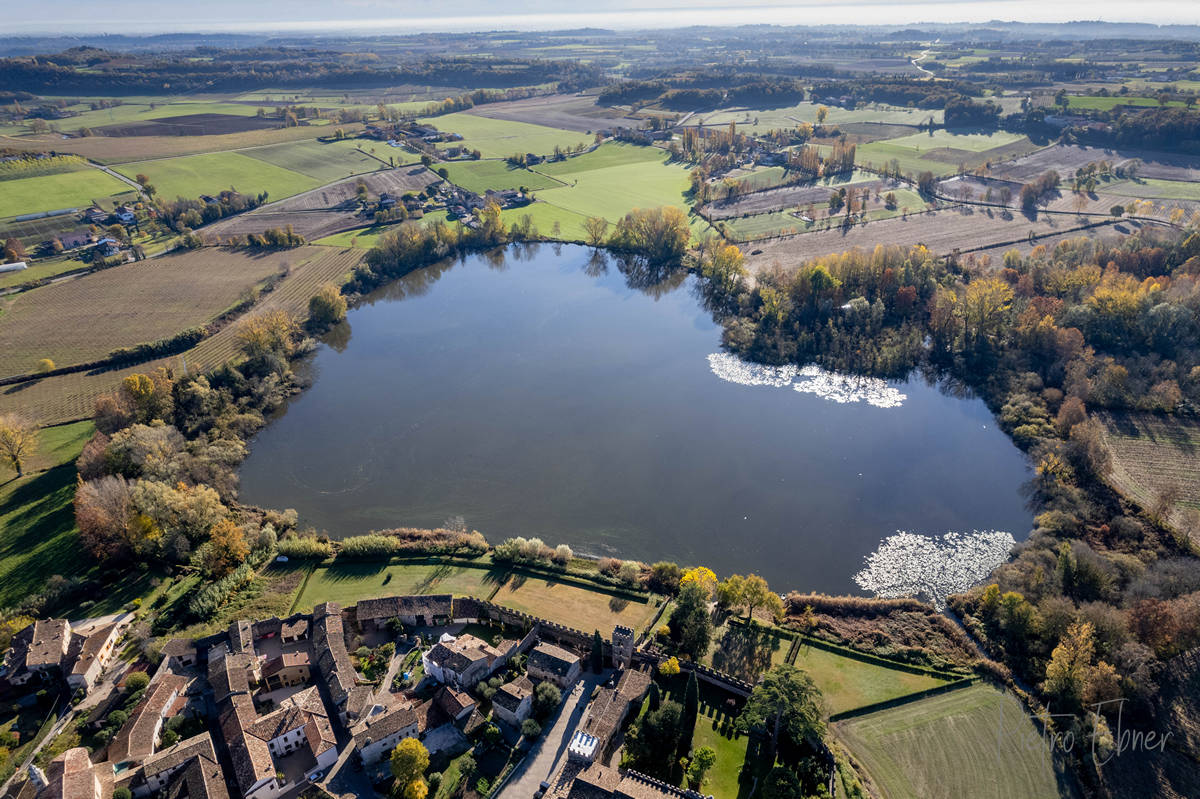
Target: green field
point(583, 608)
point(848, 683)
point(758, 226)
point(37, 525)
point(479, 176)
point(544, 215)
point(971, 142)
point(614, 180)
point(500, 138)
point(1152, 188)
point(39, 269)
point(1109, 103)
point(330, 161)
point(192, 175)
point(51, 192)
point(975, 742)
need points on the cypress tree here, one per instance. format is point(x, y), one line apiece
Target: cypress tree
point(597, 652)
point(654, 697)
point(691, 711)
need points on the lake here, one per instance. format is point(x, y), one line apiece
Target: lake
point(534, 392)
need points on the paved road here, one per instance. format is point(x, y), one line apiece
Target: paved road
point(542, 759)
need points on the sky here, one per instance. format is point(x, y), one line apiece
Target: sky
point(410, 16)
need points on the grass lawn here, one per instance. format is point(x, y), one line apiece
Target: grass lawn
point(326, 161)
point(760, 225)
point(52, 192)
point(974, 742)
point(500, 138)
point(747, 652)
point(39, 269)
point(37, 523)
point(192, 175)
point(848, 683)
point(715, 727)
point(479, 176)
point(607, 155)
point(578, 607)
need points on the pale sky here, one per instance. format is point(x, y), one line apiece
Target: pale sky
point(408, 16)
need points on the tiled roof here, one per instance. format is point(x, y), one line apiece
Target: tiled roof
point(197, 746)
point(459, 654)
point(392, 606)
point(135, 741)
point(553, 659)
point(510, 695)
point(179, 647)
point(379, 727)
point(48, 643)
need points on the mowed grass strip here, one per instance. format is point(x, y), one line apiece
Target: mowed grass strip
point(193, 175)
point(84, 319)
point(500, 138)
point(37, 524)
point(569, 604)
point(479, 176)
point(51, 192)
point(975, 742)
point(849, 683)
point(327, 161)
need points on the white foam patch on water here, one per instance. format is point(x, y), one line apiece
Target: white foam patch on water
point(907, 564)
point(808, 380)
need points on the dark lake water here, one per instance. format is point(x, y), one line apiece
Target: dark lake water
point(535, 393)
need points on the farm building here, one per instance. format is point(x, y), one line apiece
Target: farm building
point(16, 266)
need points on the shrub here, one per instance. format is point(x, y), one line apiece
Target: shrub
point(136, 681)
point(305, 548)
point(208, 600)
point(531, 729)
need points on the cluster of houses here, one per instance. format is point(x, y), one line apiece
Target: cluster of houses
point(280, 700)
point(49, 650)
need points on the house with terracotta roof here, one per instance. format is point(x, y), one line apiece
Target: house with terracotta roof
point(431, 610)
point(93, 657)
point(71, 775)
point(287, 669)
point(138, 739)
point(160, 770)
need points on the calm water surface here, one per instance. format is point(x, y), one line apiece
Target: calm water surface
point(535, 393)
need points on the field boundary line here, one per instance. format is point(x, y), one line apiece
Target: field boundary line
point(906, 699)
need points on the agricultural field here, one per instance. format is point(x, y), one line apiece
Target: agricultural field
point(583, 608)
point(1156, 462)
point(479, 176)
point(975, 741)
point(1153, 188)
point(1090, 103)
point(613, 180)
point(943, 231)
point(122, 149)
point(326, 210)
point(82, 320)
point(71, 397)
point(500, 138)
point(762, 120)
point(564, 111)
point(796, 195)
point(943, 152)
point(544, 216)
point(776, 223)
point(193, 175)
point(51, 192)
point(326, 161)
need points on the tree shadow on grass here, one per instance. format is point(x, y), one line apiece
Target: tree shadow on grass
point(617, 604)
point(746, 651)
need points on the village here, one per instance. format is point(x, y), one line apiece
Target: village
point(278, 707)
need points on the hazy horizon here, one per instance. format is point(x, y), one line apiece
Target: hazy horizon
point(343, 17)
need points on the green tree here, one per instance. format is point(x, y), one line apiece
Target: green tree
point(702, 760)
point(782, 783)
point(653, 741)
point(654, 697)
point(327, 307)
point(691, 624)
point(786, 704)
